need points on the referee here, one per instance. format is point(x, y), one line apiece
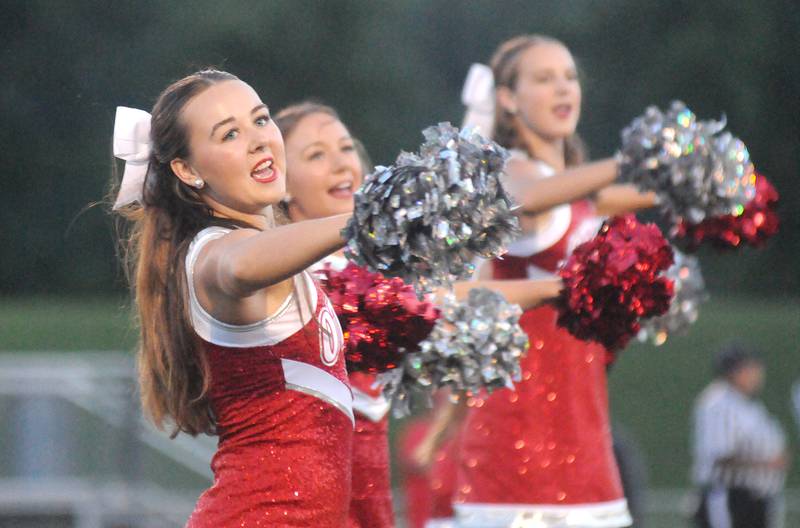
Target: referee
point(739, 449)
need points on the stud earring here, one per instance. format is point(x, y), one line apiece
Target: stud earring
point(198, 183)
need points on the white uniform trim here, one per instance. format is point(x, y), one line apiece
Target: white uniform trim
point(441, 522)
point(314, 381)
point(612, 514)
point(372, 407)
point(287, 320)
point(531, 243)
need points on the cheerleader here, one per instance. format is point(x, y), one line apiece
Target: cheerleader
point(542, 455)
point(236, 339)
point(325, 169)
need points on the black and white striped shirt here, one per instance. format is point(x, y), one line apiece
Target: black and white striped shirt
point(729, 425)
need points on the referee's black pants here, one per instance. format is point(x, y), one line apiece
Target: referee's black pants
point(732, 508)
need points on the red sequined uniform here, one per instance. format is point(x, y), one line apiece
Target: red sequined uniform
point(371, 500)
point(543, 453)
point(428, 493)
point(283, 408)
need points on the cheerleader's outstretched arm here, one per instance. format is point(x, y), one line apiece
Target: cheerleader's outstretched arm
point(528, 293)
point(535, 193)
point(446, 420)
point(621, 198)
point(246, 261)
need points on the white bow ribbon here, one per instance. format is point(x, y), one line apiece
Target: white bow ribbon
point(132, 144)
point(478, 96)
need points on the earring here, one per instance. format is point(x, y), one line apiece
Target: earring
point(198, 183)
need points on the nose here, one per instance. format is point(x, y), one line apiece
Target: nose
point(339, 162)
point(259, 139)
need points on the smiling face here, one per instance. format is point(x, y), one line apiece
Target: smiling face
point(324, 167)
point(234, 148)
point(546, 97)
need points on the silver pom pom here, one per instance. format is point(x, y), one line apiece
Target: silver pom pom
point(428, 216)
point(694, 171)
point(474, 345)
point(690, 293)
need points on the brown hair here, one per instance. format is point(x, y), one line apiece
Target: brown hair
point(288, 119)
point(505, 67)
point(174, 375)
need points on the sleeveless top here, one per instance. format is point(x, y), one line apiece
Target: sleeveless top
point(542, 454)
point(283, 407)
point(371, 500)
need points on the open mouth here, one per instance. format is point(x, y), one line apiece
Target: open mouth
point(263, 172)
point(562, 111)
point(342, 191)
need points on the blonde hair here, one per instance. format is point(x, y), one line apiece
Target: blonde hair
point(505, 67)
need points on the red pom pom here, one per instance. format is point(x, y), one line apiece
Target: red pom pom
point(758, 222)
point(614, 280)
point(381, 318)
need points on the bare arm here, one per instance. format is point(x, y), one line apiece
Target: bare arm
point(618, 199)
point(527, 293)
point(537, 194)
point(780, 462)
point(246, 261)
point(447, 417)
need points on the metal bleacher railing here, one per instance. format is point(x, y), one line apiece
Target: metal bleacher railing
point(75, 451)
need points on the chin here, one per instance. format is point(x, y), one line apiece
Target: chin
point(341, 208)
point(561, 132)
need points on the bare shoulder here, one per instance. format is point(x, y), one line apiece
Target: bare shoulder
point(211, 255)
point(519, 167)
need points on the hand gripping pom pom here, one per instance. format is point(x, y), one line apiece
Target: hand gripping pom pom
point(613, 281)
point(474, 345)
point(690, 293)
point(427, 217)
point(757, 223)
point(381, 318)
point(695, 171)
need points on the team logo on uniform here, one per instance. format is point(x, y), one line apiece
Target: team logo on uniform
point(330, 336)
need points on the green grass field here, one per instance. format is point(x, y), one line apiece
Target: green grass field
point(652, 388)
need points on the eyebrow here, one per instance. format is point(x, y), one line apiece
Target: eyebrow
point(322, 144)
point(231, 119)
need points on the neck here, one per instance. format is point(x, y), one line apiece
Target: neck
point(295, 213)
point(261, 221)
point(550, 151)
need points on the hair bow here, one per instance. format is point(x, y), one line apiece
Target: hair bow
point(132, 144)
point(478, 96)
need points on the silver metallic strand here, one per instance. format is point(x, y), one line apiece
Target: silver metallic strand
point(474, 345)
point(690, 293)
point(695, 170)
point(425, 218)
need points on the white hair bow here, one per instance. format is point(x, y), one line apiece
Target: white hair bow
point(132, 144)
point(478, 96)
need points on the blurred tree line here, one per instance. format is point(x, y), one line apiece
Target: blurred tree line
point(391, 68)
